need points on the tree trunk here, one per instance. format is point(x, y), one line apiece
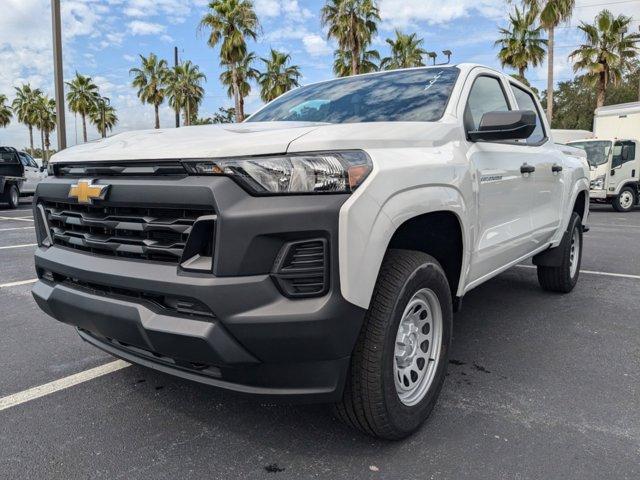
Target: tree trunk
point(187, 113)
point(521, 74)
point(156, 109)
point(177, 110)
point(84, 127)
point(355, 55)
point(550, 48)
point(236, 95)
point(42, 142)
point(31, 137)
point(47, 144)
point(601, 89)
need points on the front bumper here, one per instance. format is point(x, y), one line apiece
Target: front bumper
point(598, 194)
point(255, 340)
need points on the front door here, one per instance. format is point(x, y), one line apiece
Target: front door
point(503, 188)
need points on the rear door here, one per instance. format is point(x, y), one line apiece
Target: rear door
point(547, 181)
point(503, 192)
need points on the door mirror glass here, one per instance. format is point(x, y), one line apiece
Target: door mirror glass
point(513, 125)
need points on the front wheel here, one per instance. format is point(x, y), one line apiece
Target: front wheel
point(625, 201)
point(400, 360)
point(564, 277)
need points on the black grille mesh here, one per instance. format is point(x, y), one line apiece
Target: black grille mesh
point(157, 234)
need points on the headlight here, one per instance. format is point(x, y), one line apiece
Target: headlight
point(331, 172)
point(598, 183)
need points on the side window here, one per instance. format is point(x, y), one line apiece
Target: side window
point(23, 159)
point(526, 102)
point(486, 96)
point(617, 153)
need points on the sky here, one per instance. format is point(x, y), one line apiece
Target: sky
point(104, 38)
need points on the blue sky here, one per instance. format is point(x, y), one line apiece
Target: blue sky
point(102, 38)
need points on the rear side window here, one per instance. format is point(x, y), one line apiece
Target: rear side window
point(7, 157)
point(486, 96)
point(526, 102)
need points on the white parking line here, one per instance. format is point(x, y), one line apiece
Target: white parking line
point(606, 225)
point(20, 219)
point(9, 247)
point(591, 272)
point(16, 228)
point(17, 284)
point(62, 384)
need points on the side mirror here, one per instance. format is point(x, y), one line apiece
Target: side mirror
point(42, 169)
point(513, 125)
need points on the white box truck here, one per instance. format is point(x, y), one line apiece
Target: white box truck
point(614, 157)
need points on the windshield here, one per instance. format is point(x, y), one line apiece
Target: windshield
point(597, 152)
point(399, 96)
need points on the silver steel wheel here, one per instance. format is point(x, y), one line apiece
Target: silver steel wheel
point(626, 199)
point(418, 347)
point(574, 253)
point(14, 196)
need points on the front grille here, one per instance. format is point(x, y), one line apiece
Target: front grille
point(303, 268)
point(154, 234)
point(123, 169)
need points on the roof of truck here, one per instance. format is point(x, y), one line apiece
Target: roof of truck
point(620, 109)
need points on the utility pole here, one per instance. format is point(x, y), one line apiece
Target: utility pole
point(58, 74)
point(175, 62)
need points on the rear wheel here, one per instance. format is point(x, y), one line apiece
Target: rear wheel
point(400, 360)
point(12, 196)
point(563, 278)
point(625, 201)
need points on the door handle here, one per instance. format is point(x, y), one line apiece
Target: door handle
point(556, 168)
point(526, 168)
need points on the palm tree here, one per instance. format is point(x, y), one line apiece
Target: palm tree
point(551, 14)
point(5, 112)
point(81, 97)
point(231, 22)
point(607, 53)
point(406, 52)
point(342, 64)
point(46, 110)
point(185, 91)
point(279, 77)
point(103, 116)
point(352, 23)
point(149, 79)
point(244, 73)
point(24, 106)
point(521, 43)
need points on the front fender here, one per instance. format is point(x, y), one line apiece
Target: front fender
point(366, 228)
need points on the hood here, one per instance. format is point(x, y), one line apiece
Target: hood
point(206, 141)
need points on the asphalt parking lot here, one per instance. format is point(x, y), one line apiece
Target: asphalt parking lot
point(540, 386)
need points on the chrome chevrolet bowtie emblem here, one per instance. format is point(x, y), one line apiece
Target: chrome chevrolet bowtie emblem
point(85, 192)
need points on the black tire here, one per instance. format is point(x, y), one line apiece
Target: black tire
point(370, 402)
point(560, 279)
point(625, 207)
point(12, 196)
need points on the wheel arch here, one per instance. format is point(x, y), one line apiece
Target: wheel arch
point(366, 236)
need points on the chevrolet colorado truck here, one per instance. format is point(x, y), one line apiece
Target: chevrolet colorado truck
point(317, 251)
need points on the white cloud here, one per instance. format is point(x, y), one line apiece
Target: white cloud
point(316, 46)
point(404, 13)
point(138, 27)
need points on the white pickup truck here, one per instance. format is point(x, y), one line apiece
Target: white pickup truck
point(317, 251)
